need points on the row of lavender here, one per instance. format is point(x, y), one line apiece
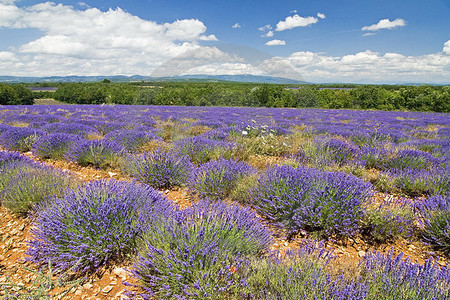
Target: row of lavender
point(292, 195)
point(209, 251)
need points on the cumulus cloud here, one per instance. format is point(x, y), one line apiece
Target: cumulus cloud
point(265, 27)
point(446, 49)
point(91, 42)
point(385, 24)
point(370, 67)
point(237, 25)
point(275, 43)
point(320, 15)
point(268, 34)
point(295, 21)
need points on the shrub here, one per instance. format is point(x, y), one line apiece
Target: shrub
point(388, 220)
point(389, 277)
point(421, 182)
point(313, 200)
point(334, 151)
point(19, 138)
point(131, 140)
point(7, 157)
point(55, 146)
point(93, 224)
point(161, 169)
point(97, 153)
point(200, 150)
point(196, 255)
point(436, 215)
point(28, 188)
point(217, 179)
point(76, 129)
point(410, 160)
point(300, 274)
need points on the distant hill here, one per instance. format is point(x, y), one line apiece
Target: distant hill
point(120, 78)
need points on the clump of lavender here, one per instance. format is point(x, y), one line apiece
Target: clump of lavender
point(93, 224)
point(97, 153)
point(55, 145)
point(131, 140)
point(19, 138)
point(422, 182)
point(309, 199)
point(72, 128)
point(160, 169)
point(373, 157)
point(7, 157)
point(31, 186)
point(299, 274)
point(388, 220)
point(197, 254)
point(411, 160)
point(199, 149)
point(390, 277)
point(436, 222)
point(217, 179)
point(338, 151)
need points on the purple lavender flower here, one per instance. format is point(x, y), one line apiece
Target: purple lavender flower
point(19, 138)
point(198, 253)
point(396, 277)
point(199, 149)
point(131, 140)
point(160, 169)
point(435, 212)
point(216, 179)
point(98, 153)
point(55, 145)
point(312, 200)
point(93, 224)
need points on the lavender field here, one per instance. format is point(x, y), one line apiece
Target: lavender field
point(315, 179)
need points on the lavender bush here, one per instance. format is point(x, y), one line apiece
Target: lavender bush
point(390, 277)
point(97, 153)
point(422, 182)
point(411, 160)
point(161, 169)
point(55, 146)
point(196, 255)
point(299, 274)
point(309, 199)
point(387, 221)
point(29, 187)
point(93, 224)
point(19, 138)
point(217, 179)
point(435, 212)
point(131, 140)
point(200, 150)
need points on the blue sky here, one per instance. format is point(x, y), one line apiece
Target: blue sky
point(317, 41)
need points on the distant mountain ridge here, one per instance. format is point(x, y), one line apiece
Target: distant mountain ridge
point(123, 78)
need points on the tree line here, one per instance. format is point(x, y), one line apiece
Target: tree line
point(15, 94)
point(380, 97)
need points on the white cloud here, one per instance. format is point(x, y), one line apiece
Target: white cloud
point(295, 21)
point(275, 43)
point(371, 67)
point(91, 41)
point(293, 11)
point(320, 15)
point(446, 48)
point(268, 34)
point(237, 25)
point(265, 28)
point(385, 24)
point(368, 34)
